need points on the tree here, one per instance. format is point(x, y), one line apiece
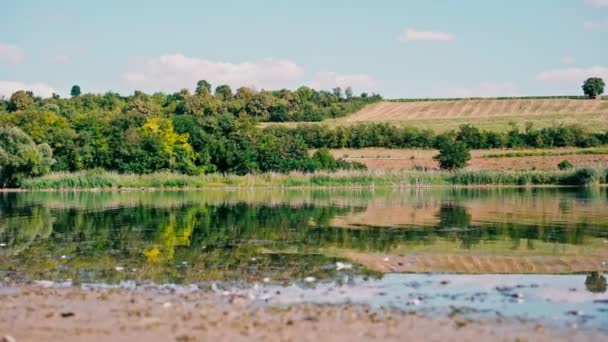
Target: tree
point(20, 100)
point(224, 92)
point(337, 91)
point(203, 88)
point(20, 157)
point(75, 91)
point(349, 92)
point(565, 165)
point(593, 87)
point(453, 155)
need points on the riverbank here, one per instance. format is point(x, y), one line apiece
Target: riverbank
point(33, 313)
point(343, 179)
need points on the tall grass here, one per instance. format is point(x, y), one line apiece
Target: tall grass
point(379, 178)
point(547, 153)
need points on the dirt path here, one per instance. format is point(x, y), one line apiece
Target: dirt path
point(51, 314)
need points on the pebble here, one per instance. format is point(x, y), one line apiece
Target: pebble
point(266, 280)
point(119, 268)
point(518, 295)
point(343, 266)
point(2, 244)
point(44, 283)
point(8, 338)
point(386, 259)
point(413, 302)
point(166, 305)
point(310, 279)
point(575, 313)
point(63, 257)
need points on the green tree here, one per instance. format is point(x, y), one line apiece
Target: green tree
point(20, 100)
point(20, 157)
point(325, 159)
point(337, 91)
point(224, 92)
point(348, 92)
point(75, 91)
point(565, 165)
point(453, 155)
point(203, 88)
point(594, 87)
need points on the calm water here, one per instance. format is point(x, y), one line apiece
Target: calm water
point(418, 250)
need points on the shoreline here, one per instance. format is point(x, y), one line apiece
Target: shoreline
point(97, 180)
point(295, 188)
point(73, 314)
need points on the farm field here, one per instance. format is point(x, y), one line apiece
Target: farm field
point(495, 115)
point(504, 159)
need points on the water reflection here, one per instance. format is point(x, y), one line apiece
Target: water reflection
point(596, 283)
point(191, 236)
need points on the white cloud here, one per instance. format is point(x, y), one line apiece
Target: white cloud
point(597, 3)
point(484, 89)
point(413, 35)
point(10, 54)
point(329, 80)
point(595, 25)
point(175, 71)
point(572, 75)
point(7, 88)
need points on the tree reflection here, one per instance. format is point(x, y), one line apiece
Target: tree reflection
point(596, 283)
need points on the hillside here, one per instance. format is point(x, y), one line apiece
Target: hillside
point(487, 114)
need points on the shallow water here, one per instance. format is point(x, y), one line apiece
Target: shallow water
point(384, 243)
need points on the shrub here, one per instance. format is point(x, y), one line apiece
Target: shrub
point(582, 177)
point(565, 165)
point(21, 158)
point(453, 156)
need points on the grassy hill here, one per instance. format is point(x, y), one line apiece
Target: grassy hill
point(492, 114)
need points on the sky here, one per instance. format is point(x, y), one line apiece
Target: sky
point(398, 48)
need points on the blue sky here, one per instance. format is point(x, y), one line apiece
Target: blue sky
point(407, 48)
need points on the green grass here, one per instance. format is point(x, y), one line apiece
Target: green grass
point(348, 179)
point(547, 153)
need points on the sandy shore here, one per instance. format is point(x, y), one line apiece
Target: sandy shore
point(73, 314)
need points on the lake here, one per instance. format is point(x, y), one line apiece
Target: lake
point(535, 253)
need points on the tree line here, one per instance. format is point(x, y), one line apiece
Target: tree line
point(390, 136)
point(181, 132)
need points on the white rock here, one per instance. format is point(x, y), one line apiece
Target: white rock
point(119, 268)
point(44, 283)
point(166, 305)
point(386, 259)
point(343, 266)
point(266, 280)
point(310, 279)
point(2, 244)
point(413, 302)
point(8, 338)
point(63, 257)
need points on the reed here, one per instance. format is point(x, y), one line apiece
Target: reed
point(99, 179)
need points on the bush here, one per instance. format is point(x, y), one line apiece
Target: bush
point(582, 177)
point(21, 158)
point(453, 156)
point(565, 165)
